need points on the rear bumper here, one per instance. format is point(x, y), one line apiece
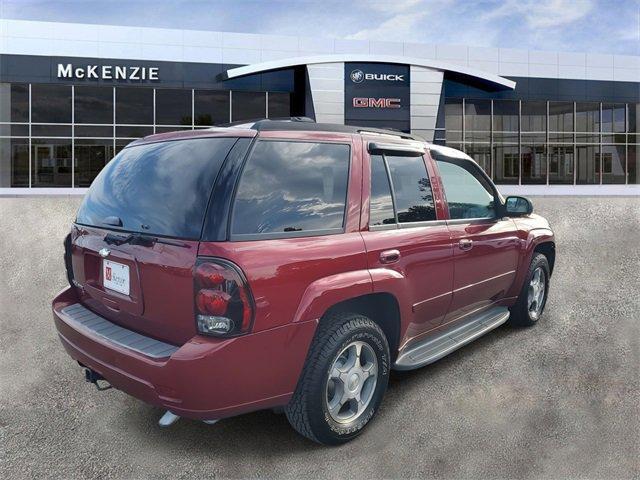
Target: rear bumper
point(205, 378)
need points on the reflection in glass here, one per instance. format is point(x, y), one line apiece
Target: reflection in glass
point(561, 116)
point(279, 105)
point(51, 160)
point(14, 102)
point(534, 163)
point(50, 103)
point(159, 188)
point(613, 117)
point(506, 168)
point(587, 164)
point(587, 117)
point(134, 105)
point(292, 187)
point(248, 106)
point(477, 115)
point(90, 156)
point(613, 159)
point(633, 159)
point(381, 205)
point(211, 107)
point(453, 119)
point(481, 153)
point(93, 104)
point(412, 189)
point(14, 162)
point(560, 164)
point(534, 116)
point(505, 115)
point(173, 106)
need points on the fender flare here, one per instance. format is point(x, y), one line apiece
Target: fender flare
point(534, 238)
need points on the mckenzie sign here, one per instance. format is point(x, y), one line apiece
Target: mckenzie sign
point(107, 72)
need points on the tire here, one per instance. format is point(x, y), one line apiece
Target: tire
point(525, 312)
point(314, 410)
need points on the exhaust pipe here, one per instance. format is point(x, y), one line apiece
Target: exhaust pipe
point(169, 418)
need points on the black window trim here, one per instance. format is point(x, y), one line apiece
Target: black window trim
point(245, 237)
point(497, 197)
point(402, 225)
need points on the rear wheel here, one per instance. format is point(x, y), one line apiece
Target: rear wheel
point(343, 381)
point(533, 296)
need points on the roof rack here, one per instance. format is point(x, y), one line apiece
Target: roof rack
point(307, 124)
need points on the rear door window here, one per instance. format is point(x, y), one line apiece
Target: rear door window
point(290, 188)
point(381, 205)
point(411, 189)
point(159, 188)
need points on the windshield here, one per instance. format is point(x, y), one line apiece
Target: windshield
point(159, 188)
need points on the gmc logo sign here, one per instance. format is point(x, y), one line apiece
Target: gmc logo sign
point(361, 102)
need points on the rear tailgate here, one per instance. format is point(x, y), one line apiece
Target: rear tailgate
point(135, 240)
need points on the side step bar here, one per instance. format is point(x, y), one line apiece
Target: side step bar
point(443, 343)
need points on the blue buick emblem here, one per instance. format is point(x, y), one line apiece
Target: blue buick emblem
point(357, 76)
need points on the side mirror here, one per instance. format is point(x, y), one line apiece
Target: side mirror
point(518, 206)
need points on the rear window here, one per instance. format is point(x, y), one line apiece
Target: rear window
point(292, 188)
point(159, 188)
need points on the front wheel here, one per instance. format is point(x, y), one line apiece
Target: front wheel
point(533, 296)
point(343, 380)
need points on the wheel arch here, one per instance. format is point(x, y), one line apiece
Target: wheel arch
point(548, 249)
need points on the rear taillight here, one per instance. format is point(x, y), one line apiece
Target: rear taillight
point(223, 302)
point(68, 265)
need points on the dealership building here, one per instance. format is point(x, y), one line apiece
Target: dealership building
point(538, 122)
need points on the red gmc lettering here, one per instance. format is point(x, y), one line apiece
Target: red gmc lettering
point(361, 102)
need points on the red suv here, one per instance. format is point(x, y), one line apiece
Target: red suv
point(288, 264)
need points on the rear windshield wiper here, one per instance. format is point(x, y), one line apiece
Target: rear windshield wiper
point(139, 239)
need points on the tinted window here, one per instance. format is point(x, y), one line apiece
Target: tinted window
point(93, 104)
point(173, 107)
point(279, 105)
point(248, 105)
point(412, 189)
point(381, 205)
point(134, 105)
point(211, 107)
point(15, 107)
point(159, 188)
point(468, 193)
point(50, 103)
point(292, 187)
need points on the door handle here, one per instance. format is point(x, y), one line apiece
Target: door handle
point(465, 244)
point(389, 256)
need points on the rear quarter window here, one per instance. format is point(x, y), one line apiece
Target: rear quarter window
point(159, 188)
point(292, 188)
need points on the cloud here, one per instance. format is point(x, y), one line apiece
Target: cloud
point(543, 13)
point(397, 28)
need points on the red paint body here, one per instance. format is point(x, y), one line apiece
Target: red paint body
point(294, 281)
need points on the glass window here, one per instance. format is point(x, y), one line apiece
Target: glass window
point(279, 105)
point(560, 116)
point(560, 164)
point(613, 117)
point(481, 153)
point(477, 115)
point(587, 117)
point(292, 187)
point(381, 205)
point(468, 193)
point(411, 189)
point(211, 107)
point(90, 156)
point(506, 167)
point(634, 117)
point(587, 164)
point(50, 103)
point(14, 162)
point(613, 159)
point(505, 115)
point(14, 102)
point(633, 159)
point(534, 163)
point(142, 178)
point(453, 119)
point(51, 159)
point(93, 105)
point(248, 106)
point(91, 131)
point(534, 116)
point(134, 106)
point(173, 107)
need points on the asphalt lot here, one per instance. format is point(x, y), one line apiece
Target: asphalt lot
point(559, 400)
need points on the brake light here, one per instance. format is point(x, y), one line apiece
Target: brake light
point(223, 302)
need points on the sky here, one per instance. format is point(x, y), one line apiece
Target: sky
point(595, 26)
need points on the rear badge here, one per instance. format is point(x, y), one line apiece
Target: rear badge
point(104, 252)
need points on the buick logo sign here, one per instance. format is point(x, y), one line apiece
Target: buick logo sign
point(357, 76)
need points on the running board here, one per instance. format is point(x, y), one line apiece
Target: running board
point(435, 347)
